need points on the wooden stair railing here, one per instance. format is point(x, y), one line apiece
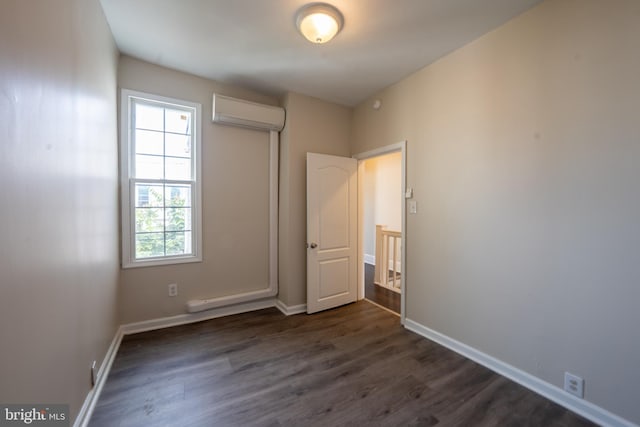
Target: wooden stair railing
point(388, 253)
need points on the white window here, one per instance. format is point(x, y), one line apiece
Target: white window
point(161, 201)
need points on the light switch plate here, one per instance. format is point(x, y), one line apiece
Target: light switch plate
point(413, 207)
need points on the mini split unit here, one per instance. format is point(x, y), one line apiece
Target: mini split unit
point(238, 112)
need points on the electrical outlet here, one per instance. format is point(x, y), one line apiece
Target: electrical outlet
point(173, 290)
point(574, 384)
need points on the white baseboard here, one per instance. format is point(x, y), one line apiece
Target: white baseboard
point(183, 319)
point(82, 420)
point(582, 407)
point(290, 310)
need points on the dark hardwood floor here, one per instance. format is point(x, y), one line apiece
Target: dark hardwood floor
point(378, 294)
point(351, 366)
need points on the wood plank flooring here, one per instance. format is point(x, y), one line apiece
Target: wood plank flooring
point(351, 366)
point(378, 294)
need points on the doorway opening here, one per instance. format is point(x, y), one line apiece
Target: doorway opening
point(381, 219)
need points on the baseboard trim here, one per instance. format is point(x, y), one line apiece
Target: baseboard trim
point(290, 310)
point(183, 319)
point(582, 407)
point(82, 420)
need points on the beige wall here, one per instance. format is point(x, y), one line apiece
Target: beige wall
point(522, 149)
point(235, 191)
point(382, 197)
point(524, 155)
point(312, 126)
point(59, 210)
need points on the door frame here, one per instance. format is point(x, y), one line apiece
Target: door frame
point(393, 148)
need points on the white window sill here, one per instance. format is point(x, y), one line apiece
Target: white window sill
point(154, 262)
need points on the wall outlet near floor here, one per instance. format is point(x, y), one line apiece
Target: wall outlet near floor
point(574, 384)
point(173, 290)
point(93, 373)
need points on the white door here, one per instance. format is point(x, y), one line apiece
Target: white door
point(332, 231)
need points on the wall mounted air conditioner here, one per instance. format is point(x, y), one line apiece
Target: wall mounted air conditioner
point(238, 112)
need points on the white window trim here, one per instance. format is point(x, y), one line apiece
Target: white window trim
point(126, 196)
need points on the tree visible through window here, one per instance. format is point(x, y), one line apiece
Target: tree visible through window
point(162, 182)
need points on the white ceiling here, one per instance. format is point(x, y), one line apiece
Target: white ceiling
point(254, 43)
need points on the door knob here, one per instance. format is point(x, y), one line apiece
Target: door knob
point(313, 245)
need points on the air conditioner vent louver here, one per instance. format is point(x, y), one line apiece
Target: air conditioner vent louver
point(238, 112)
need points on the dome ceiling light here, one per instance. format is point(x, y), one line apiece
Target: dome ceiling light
point(319, 22)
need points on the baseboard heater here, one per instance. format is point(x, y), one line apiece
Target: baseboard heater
point(197, 305)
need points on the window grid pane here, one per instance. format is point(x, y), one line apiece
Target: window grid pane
point(149, 142)
point(149, 167)
point(149, 195)
point(162, 142)
point(149, 245)
point(177, 121)
point(163, 220)
point(150, 220)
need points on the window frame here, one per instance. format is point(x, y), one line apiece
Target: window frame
point(127, 185)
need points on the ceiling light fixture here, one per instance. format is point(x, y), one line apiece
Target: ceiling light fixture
point(319, 22)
